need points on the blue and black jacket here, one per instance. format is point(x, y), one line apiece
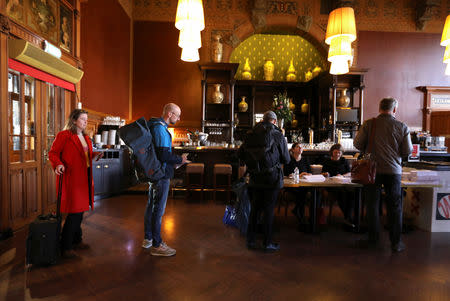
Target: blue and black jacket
point(163, 145)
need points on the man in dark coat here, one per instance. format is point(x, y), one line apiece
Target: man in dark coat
point(391, 142)
point(263, 151)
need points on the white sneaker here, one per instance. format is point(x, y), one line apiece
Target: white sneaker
point(163, 250)
point(147, 243)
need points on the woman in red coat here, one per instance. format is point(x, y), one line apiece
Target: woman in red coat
point(71, 155)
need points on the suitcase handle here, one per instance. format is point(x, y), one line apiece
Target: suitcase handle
point(58, 200)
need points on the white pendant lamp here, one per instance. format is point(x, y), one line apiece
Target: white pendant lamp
point(340, 49)
point(339, 67)
point(190, 54)
point(190, 14)
point(341, 22)
point(190, 37)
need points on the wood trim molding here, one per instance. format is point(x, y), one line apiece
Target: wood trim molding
point(429, 91)
point(4, 179)
point(4, 24)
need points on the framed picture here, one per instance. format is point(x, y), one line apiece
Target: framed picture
point(65, 28)
point(15, 10)
point(42, 18)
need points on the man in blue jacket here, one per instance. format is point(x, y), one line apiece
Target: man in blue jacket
point(158, 191)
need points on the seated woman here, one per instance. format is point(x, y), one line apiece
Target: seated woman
point(335, 166)
point(297, 161)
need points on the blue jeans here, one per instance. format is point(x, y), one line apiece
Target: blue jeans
point(156, 204)
point(394, 206)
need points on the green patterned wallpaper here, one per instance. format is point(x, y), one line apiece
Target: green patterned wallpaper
point(282, 48)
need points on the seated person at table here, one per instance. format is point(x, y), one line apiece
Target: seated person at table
point(297, 161)
point(335, 166)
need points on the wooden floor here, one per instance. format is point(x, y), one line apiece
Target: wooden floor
point(212, 262)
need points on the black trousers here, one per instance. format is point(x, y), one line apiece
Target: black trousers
point(71, 233)
point(394, 206)
point(263, 202)
point(345, 199)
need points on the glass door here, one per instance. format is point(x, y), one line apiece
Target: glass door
point(53, 117)
point(24, 162)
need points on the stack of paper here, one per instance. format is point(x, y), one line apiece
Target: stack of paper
point(424, 176)
point(341, 179)
point(313, 178)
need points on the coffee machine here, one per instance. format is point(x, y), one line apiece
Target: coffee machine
point(428, 142)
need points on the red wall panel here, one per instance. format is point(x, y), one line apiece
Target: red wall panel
point(105, 51)
point(398, 63)
point(159, 75)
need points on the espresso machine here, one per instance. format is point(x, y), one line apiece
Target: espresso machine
point(428, 142)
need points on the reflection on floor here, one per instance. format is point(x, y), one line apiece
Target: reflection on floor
point(212, 262)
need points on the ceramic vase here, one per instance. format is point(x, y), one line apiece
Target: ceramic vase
point(243, 106)
point(216, 49)
point(291, 105)
point(246, 71)
point(217, 96)
point(343, 100)
point(291, 73)
point(268, 70)
point(304, 108)
point(308, 75)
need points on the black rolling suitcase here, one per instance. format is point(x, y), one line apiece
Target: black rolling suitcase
point(43, 241)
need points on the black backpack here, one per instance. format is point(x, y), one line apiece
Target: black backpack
point(138, 138)
point(259, 149)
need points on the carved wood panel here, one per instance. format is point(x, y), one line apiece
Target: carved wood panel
point(32, 198)
point(440, 125)
point(17, 203)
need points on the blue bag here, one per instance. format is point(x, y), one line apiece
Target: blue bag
point(229, 218)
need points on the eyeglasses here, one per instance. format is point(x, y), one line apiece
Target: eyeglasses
point(176, 115)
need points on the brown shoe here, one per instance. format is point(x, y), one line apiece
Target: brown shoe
point(67, 254)
point(162, 250)
point(81, 246)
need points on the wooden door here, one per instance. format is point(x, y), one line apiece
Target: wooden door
point(440, 125)
point(53, 108)
point(23, 149)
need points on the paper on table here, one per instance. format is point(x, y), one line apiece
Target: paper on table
point(313, 178)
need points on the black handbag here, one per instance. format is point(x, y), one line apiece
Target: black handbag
point(364, 170)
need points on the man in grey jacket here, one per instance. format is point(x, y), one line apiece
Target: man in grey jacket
point(391, 142)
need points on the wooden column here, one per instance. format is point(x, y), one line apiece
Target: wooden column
point(4, 180)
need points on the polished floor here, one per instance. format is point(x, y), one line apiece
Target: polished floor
point(212, 262)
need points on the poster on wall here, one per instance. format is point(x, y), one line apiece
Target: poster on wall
point(42, 17)
point(443, 206)
point(65, 30)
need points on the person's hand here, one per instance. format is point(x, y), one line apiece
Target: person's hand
point(325, 174)
point(184, 158)
point(59, 170)
point(304, 174)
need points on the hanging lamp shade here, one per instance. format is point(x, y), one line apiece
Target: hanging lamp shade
point(340, 49)
point(339, 67)
point(445, 39)
point(190, 38)
point(190, 54)
point(447, 54)
point(447, 69)
point(190, 14)
point(341, 22)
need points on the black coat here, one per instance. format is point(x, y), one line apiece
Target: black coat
point(269, 176)
point(334, 168)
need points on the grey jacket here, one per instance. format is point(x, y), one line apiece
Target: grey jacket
point(391, 142)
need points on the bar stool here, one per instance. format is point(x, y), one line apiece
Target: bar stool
point(224, 170)
point(195, 169)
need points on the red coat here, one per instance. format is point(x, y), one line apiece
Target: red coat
point(68, 151)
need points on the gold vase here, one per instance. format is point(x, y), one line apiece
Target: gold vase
point(294, 122)
point(246, 71)
point(243, 106)
point(316, 71)
point(217, 96)
point(216, 49)
point(268, 69)
point(304, 108)
point(291, 73)
point(291, 105)
point(343, 100)
point(308, 75)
